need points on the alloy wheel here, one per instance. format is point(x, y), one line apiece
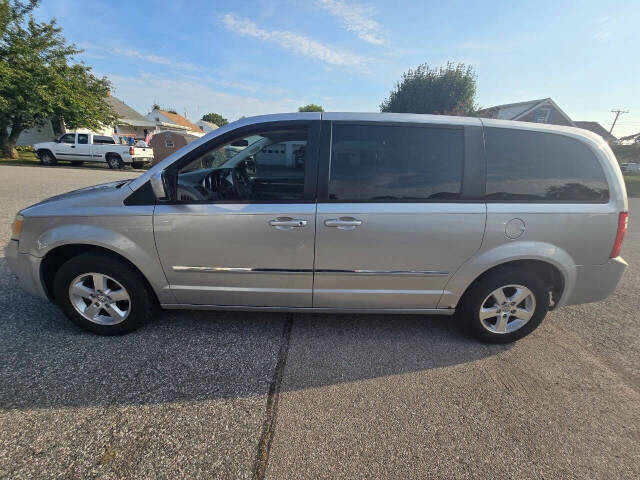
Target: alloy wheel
point(507, 309)
point(99, 298)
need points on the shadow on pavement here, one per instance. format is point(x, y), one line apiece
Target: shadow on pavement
point(46, 361)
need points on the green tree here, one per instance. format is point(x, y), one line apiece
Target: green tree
point(216, 118)
point(312, 107)
point(40, 80)
point(447, 90)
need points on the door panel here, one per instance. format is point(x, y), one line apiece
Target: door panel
point(65, 150)
point(83, 149)
point(400, 256)
point(238, 254)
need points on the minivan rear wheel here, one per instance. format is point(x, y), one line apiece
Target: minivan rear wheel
point(505, 305)
point(103, 294)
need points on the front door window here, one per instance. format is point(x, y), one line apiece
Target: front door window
point(263, 167)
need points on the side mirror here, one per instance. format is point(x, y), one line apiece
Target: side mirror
point(158, 185)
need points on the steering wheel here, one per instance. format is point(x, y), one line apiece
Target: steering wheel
point(241, 182)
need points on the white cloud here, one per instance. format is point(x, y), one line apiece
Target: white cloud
point(96, 51)
point(603, 29)
point(150, 57)
point(194, 97)
point(357, 19)
point(292, 41)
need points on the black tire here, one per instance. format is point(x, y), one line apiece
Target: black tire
point(141, 301)
point(137, 164)
point(115, 162)
point(47, 159)
point(77, 163)
point(474, 300)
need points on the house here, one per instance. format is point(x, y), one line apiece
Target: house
point(164, 120)
point(595, 127)
point(47, 131)
point(544, 110)
point(206, 127)
point(129, 123)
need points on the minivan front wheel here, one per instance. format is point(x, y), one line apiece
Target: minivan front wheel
point(505, 305)
point(102, 294)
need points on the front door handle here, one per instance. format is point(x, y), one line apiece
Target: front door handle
point(287, 223)
point(343, 223)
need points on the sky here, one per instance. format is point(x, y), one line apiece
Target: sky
point(251, 57)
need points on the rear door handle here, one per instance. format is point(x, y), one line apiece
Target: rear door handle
point(343, 223)
point(287, 223)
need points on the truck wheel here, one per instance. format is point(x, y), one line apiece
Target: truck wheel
point(47, 159)
point(103, 294)
point(77, 163)
point(115, 162)
point(505, 305)
point(137, 164)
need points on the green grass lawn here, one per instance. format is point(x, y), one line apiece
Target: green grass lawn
point(29, 158)
point(24, 158)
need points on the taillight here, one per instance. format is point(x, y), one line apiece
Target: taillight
point(130, 150)
point(623, 221)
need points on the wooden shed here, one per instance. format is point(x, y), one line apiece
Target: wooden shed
point(165, 143)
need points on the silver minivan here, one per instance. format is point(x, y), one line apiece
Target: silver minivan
point(493, 220)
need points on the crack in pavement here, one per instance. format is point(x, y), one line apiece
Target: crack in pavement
point(268, 431)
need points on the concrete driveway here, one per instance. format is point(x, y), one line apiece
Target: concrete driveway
point(254, 395)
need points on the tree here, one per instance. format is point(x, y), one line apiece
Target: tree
point(448, 90)
point(312, 107)
point(216, 118)
point(39, 80)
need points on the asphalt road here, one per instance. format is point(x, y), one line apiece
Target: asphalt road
point(242, 395)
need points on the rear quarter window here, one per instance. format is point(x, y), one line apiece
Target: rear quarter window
point(541, 167)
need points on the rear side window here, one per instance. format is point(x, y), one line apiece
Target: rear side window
point(378, 163)
point(103, 140)
point(535, 166)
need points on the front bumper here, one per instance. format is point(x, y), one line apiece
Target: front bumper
point(26, 267)
point(596, 282)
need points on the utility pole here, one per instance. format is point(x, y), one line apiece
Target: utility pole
point(617, 112)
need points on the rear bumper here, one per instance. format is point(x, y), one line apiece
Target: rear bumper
point(26, 267)
point(596, 282)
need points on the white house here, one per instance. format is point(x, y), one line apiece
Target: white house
point(169, 121)
point(129, 123)
point(205, 126)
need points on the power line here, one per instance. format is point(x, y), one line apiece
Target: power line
point(617, 112)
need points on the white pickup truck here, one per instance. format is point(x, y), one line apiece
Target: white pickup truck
point(87, 147)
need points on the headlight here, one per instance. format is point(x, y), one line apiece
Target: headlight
point(16, 227)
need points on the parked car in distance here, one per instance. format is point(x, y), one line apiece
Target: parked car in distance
point(88, 147)
point(496, 221)
point(630, 167)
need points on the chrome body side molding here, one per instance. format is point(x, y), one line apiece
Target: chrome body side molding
point(202, 269)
